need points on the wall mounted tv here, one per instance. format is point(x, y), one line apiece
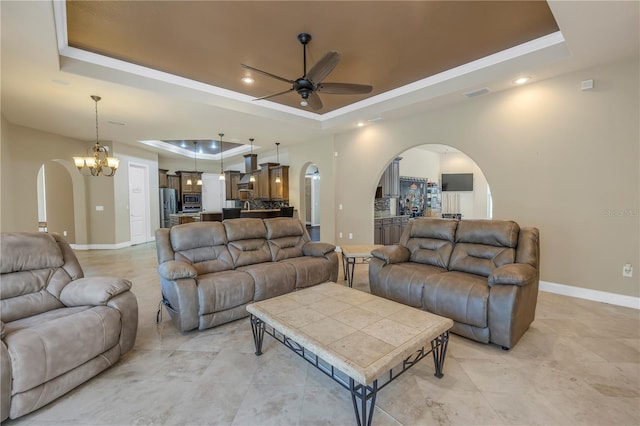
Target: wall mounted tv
point(457, 182)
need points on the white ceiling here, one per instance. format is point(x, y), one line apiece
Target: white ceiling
point(46, 85)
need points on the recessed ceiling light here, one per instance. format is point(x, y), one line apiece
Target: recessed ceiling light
point(522, 80)
point(247, 80)
point(360, 123)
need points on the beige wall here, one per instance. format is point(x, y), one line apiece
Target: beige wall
point(557, 158)
point(59, 196)
point(473, 204)
point(420, 163)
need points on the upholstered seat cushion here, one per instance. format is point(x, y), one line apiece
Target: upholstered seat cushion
point(45, 346)
point(404, 282)
point(223, 290)
point(461, 296)
point(271, 279)
point(309, 270)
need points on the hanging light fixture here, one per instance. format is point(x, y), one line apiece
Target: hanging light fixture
point(221, 163)
point(277, 161)
point(195, 162)
point(100, 162)
point(252, 178)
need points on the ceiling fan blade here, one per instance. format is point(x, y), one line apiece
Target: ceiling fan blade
point(344, 88)
point(314, 101)
point(323, 67)
point(274, 95)
point(266, 73)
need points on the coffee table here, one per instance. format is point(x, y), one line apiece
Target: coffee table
point(350, 254)
point(361, 341)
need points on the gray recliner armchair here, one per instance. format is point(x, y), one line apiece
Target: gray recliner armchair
point(58, 327)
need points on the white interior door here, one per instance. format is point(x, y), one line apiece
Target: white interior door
point(138, 205)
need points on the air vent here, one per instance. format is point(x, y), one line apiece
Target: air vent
point(477, 92)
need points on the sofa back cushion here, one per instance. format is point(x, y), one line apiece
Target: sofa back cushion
point(285, 236)
point(203, 244)
point(247, 241)
point(430, 241)
point(33, 274)
point(483, 245)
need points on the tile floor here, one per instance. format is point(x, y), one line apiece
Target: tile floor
point(579, 364)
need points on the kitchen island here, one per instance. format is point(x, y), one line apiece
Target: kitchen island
point(258, 213)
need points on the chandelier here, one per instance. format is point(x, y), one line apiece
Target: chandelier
point(195, 165)
point(100, 162)
point(221, 163)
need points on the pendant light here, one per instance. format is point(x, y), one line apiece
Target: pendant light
point(252, 178)
point(221, 162)
point(100, 162)
point(195, 165)
point(277, 161)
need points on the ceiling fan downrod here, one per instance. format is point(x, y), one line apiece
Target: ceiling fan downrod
point(304, 38)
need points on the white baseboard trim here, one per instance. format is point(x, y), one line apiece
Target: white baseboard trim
point(588, 294)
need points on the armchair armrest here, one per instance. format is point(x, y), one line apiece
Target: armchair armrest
point(392, 254)
point(93, 290)
point(2, 329)
point(317, 249)
point(520, 274)
point(176, 269)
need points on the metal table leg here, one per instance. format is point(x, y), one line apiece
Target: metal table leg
point(363, 413)
point(257, 328)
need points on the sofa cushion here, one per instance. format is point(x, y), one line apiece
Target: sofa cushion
point(29, 251)
point(480, 259)
point(286, 237)
point(223, 290)
point(203, 245)
point(245, 229)
point(247, 241)
point(46, 346)
point(310, 270)
point(500, 233)
point(438, 229)
point(460, 296)
point(271, 279)
point(403, 282)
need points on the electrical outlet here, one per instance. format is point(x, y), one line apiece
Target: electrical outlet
point(350, 236)
point(627, 270)
point(340, 234)
point(99, 208)
point(64, 233)
point(340, 206)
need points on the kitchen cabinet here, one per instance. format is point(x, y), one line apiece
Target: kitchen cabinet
point(279, 190)
point(162, 178)
point(231, 180)
point(185, 186)
point(390, 180)
point(173, 181)
point(262, 186)
point(388, 230)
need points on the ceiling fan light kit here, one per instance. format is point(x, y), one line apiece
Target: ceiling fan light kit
point(311, 83)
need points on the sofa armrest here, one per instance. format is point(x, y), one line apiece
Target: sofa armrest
point(2, 330)
point(392, 254)
point(176, 269)
point(520, 274)
point(93, 291)
point(317, 249)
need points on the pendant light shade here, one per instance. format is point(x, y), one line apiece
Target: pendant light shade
point(221, 161)
point(252, 178)
point(277, 161)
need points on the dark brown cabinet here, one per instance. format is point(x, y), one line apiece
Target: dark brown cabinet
point(231, 179)
point(390, 180)
point(388, 230)
point(279, 182)
point(262, 186)
point(162, 178)
point(188, 182)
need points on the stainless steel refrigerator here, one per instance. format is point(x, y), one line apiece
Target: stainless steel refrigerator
point(168, 205)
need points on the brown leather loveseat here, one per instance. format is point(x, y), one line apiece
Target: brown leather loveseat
point(482, 274)
point(58, 328)
point(210, 271)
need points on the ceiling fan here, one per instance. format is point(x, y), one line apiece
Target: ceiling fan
point(311, 83)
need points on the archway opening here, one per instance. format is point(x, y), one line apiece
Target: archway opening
point(429, 180)
point(312, 201)
point(55, 200)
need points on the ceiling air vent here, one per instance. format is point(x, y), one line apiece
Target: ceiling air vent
point(477, 92)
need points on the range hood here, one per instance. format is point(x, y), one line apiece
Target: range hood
point(250, 164)
point(245, 178)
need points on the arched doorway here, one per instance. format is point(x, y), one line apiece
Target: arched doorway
point(312, 201)
point(412, 187)
point(55, 200)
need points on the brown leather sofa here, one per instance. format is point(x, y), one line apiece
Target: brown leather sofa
point(210, 271)
point(58, 328)
point(482, 274)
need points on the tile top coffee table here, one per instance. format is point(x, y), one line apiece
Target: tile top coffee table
point(349, 256)
point(360, 340)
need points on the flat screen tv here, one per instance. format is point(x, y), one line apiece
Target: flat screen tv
point(457, 182)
